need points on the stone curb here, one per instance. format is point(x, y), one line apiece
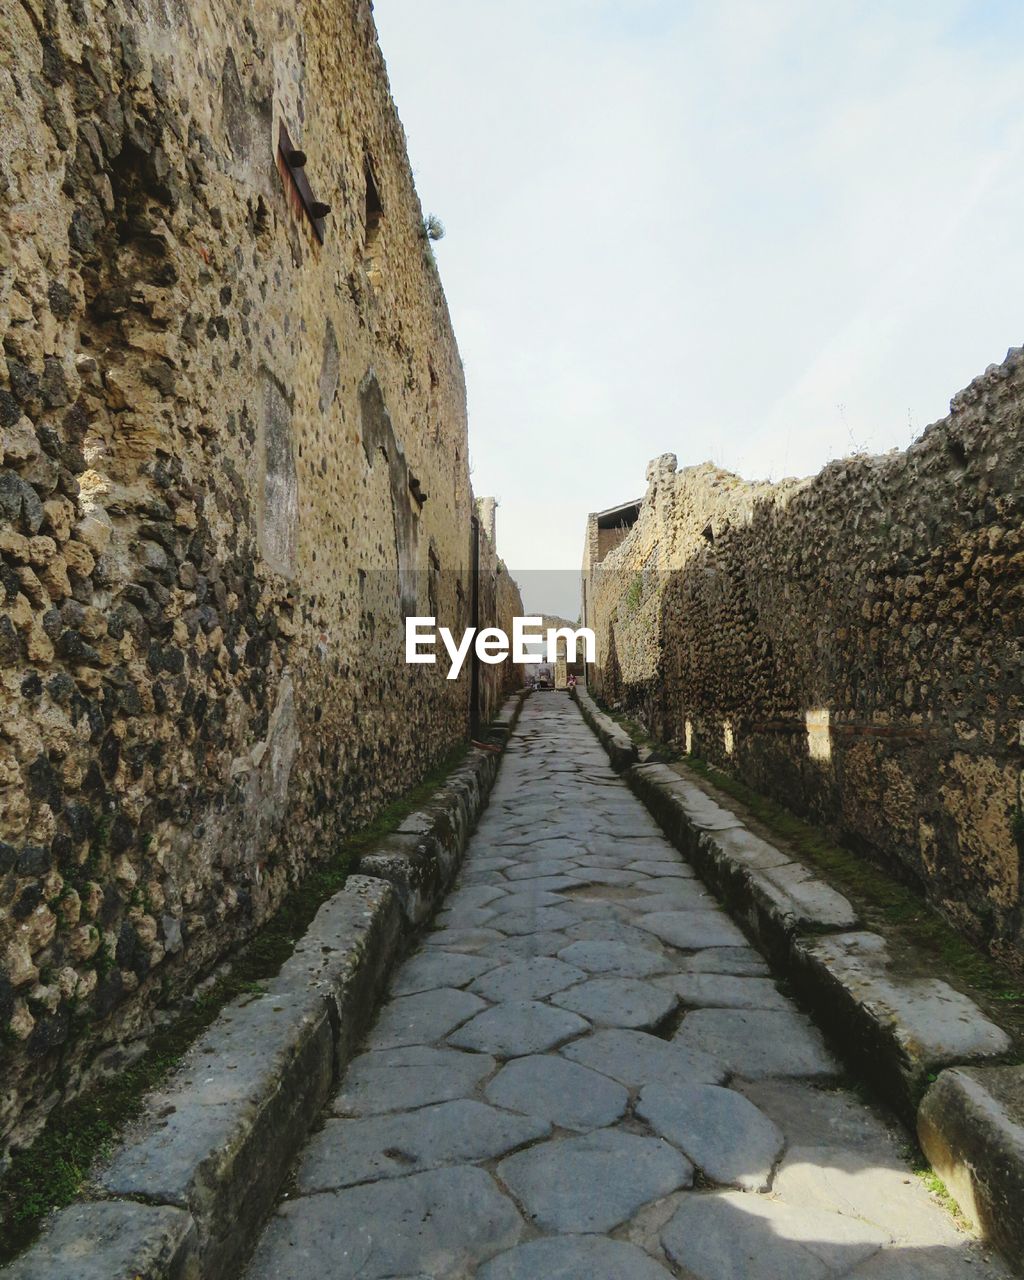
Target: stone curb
point(899, 1031)
point(971, 1127)
point(620, 747)
point(186, 1193)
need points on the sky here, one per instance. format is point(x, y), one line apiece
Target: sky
point(767, 233)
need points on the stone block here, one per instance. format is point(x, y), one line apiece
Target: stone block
point(112, 1240)
point(898, 1028)
point(971, 1127)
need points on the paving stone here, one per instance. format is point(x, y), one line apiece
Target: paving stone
point(722, 1132)
point(346, 1152)
point(635, 1059)
point(605, 930)
point(536, 869)
point(603, 875)
point(724, 991)
point(595, 1182)
point(431, 969)
point(476, 895)
point(861, 1185)
point(754, 1043)
point(616, 958)
point(574, 1258)
point(529, 979)
point(814, 1117)
point(523, 946)
point(618, 1002)
point(691, 930)
point(562, 1092)
point(966, 1261)
point(728, 1235)
point(518, 1027)
point(397, 1079)
point(461, 939)
point(527, 899)
point(741, 961)
point(529, 920)
point(463, 918)
point(423, 1018)
point(441, 1223)
point(548, 883)
point(111, 1240)
point(683, 895)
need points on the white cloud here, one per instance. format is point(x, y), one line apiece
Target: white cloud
point(763, 232)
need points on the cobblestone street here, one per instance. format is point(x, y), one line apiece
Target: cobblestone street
point(584, 1071)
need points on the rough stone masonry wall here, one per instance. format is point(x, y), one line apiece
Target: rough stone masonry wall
point(232, 459)
point(851, 644)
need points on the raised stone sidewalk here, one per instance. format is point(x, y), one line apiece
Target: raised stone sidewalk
point(585, 1071)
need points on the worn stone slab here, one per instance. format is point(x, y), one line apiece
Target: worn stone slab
point(431, 969)
point(724, 991)
point(529, 979)
point(635, 1059)
point(444, 1222)
point(423, 1018)
point(462, 939)
point(666, 869)
point(538, 868)
point(618, 1002)
point(112, 1240)
point(615, 958)
point(740, 961)
point(345, 957)
point(729, 1235)
point(574, 1258)
point(603, 875)
point(548, 883)
point(418, 866)
point(463, 918)
point(899, 1029)
point(475, 895)
point(562, 1092)
point(254, 1082)
point(692, 930)
point(813, 1117)
point(594, 1182)
point(754, 1043)
point(533, 920)
point(525, 946)
point(347, 1152)
point(739, 847)
point(801, 902)
point(520, 899)
point(399, 1079)
point(681, 895)
point(862, 1186)
point(971, 1127)
point(518, 1027)
point(609, 930)
point(720, 1131)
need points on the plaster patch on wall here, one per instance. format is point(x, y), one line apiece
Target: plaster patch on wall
point(279, 491)
point(329, 368)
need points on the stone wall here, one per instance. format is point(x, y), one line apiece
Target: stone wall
point(233, 458)
point(500, 602)
point(851, 644)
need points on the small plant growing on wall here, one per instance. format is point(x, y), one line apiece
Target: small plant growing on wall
point(633, 596)
point(433, 227)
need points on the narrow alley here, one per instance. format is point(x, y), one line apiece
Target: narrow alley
point(584, 1070)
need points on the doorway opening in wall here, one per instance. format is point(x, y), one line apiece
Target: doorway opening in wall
point(373, 215)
